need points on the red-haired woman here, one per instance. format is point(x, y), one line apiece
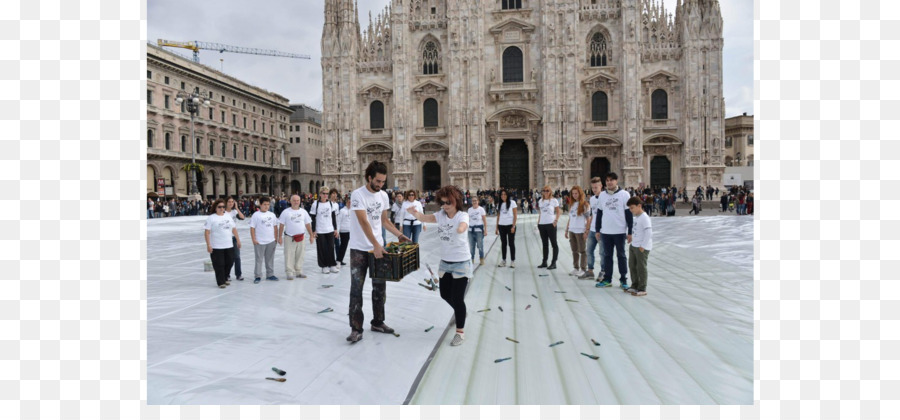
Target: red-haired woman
point(577, 227)
point(455, 268)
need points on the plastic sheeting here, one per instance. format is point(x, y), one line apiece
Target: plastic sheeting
point(689, 341)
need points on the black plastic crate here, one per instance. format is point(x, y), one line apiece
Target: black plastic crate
point(393, 267)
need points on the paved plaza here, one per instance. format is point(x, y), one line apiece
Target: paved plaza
point(689, 341)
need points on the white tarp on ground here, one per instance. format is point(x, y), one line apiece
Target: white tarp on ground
point(689, 341)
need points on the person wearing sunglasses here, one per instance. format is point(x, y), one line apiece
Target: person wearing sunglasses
point(547, 225)
point(455, 267)
point(412, 227)
point(219, 231)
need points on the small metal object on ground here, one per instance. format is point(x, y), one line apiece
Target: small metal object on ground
point(279, 371)
point(501, 360)
point(500, 308)
point(326, 310)
point(534, 296)
point(396, 334)
point(591, 356)
point(484, 310)
point(557, 343)
point(277, 379)
point(429, 328)
point(513, 340)
point(543, 275)
point(507, 288)
point(325, 286)
point(595, 342)
point(427, 287)
point(571, 300)
point(526, 308)
point(558, 291)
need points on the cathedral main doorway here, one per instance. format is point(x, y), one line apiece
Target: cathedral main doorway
point(600, 168)
point(660, 172)
point(431, 176)
point(514, 165)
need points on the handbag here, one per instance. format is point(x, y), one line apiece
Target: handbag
point(298, 238)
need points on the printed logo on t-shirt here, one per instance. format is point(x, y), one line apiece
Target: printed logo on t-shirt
point(546, 207)
point(612, 204)
point(224, 224)
point(445, 231)
point(297, 217)
point(267, 220)
point(374, 211)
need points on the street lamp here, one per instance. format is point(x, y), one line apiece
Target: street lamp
point(737, 159)
point(194, 101)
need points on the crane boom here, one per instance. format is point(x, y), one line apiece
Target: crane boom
point(196, 46)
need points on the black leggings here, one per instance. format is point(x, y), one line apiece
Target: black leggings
point(345, 240)
point(222, 260)
point(548, 231)
point(506, 235)
point(453, 291)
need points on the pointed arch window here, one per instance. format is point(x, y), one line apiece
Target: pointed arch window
point(599, 106)
point(598, 50)
point(431, 59)
point(376, 115)
point(660, 104)
point(430, 112)
point(512, 65)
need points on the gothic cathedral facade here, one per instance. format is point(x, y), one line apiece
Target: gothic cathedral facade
point(522, 93)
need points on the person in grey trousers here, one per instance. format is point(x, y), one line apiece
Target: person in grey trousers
point(263, 231)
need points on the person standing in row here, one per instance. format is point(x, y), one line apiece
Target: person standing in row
point(325, 231)
point(411, 227)
point(549, 208)
point(344, 230)
point(579, 214)
point(263, 231)
point(232, 210)
point(639, 251)
point(294, 223)
point(477, 224)
point(369, 207)
point(455, 267)
point(507, 218)
point(397, 210)
point(219, 230)
point(614, 222)
point(334, 196)
point(592, 241)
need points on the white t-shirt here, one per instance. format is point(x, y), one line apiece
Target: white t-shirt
point(344, 220)
point(506, 214)
point(220, 233)
point(576, 222)
point(264, 223)
point(409, 217)
point(642, 232)
point(294, 221)
point(324, 212)
point(374, 204)
point(454, 246)
point(595, 205)
point(397, 208)
point(233, 215)
point(548, 211)
point(613, 206)
point(475, 216)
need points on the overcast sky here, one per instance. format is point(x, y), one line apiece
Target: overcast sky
point(296, 27)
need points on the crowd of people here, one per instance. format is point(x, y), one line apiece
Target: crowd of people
point(607, 219)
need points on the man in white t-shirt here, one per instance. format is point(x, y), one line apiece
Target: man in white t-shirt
point(477, 226)
point(613, 226)
point(592, 242)
point(263, 231)
point(293, 231)
point(549, 217)
point(369, 207)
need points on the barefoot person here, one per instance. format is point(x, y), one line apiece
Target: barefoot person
point(455, 265)
point(369, 207)
point(507, 218)
point(219, 231)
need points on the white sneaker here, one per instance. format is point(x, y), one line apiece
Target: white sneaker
point(325, 270)
point(512, 264)
point(335, 269)
point(578, 273)
point(574, 272)
point(502, 263)
point(458, 339)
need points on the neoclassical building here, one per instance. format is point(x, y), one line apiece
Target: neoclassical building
point(241, 138)
point(739, 140)
point(521, 93)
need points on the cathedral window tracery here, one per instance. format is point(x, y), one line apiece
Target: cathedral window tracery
point(598, 50)
point(431, 59)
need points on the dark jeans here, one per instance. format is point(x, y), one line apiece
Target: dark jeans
point(222, 259)
point(453, 291)
point(359, 265)
point(345, 240)
point(237, 258)
point(548, 231)
point(618, 242)
point(506, 235)
point(325, 249)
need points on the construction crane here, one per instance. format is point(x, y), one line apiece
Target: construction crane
point(196, 46)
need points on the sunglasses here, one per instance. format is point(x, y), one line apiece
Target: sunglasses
point(546, 190)
point(220, 207)
point(446, 203)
